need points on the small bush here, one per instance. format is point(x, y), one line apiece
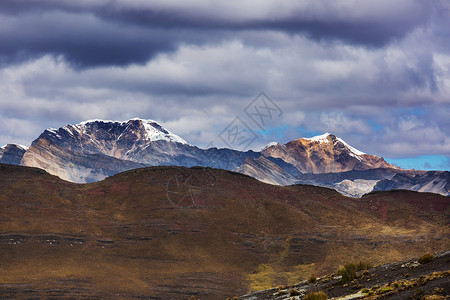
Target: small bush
point(348, 272)
point(426, 258)
point(316, 296)
point(312, 279)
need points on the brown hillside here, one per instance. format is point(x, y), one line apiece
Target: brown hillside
point(172, 232)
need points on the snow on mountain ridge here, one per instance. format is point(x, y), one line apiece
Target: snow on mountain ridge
point(22, 147)
point(319, 138)
point(352, 149)
point(153, 129)
point(17, 145)
point(323, 138)
point(269, 145)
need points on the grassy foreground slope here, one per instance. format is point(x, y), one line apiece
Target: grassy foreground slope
point(172, 232)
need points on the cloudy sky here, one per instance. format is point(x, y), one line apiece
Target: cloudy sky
point(375, 73)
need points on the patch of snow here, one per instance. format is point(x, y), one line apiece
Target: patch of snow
point(22, 147)
point(150, 126)
point(269, 145)
point(97, 120)
point(111, 121)
point(68, 129)
point(17, 145)
point(54, 131)
point(352, 149)
point(319, 138)
point(154, 133)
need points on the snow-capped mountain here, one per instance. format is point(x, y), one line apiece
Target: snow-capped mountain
point(113, 138)
point(91, 150)
point(12, 154)
point(324, 153)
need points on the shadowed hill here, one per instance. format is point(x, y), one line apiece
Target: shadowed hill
point(165, 232)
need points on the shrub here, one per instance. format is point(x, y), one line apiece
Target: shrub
point(312, 279)
point(348, 272)
point(426, 258)
point(316, 296)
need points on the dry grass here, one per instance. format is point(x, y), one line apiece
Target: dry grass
point(320, 295)
point(426, 258)
point(243, 231)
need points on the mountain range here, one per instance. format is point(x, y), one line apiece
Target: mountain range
point(93, 150)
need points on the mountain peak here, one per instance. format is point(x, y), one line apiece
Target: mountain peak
point(18, 146)
point(331, 138)
point(269, 145)
point(324, 153)
point(151, 129)
point(320, 138)
point(12, 153)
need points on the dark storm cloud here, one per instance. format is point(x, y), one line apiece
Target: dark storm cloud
point(376, 73)
point(82, 39)
point(95, 33)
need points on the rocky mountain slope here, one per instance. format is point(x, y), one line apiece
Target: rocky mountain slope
point(323, 154)
point(73, 166)
point(434, 182)
point(358, 183)
point(266, 171)
point(12, 154)
point(173, 232)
